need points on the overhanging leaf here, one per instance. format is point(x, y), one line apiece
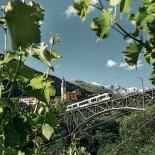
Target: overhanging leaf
point(132, 53)
point(82, 8)
point(101, 25)
point(140, 17)
point(23, 23)
point(40, 52)
point(125, 6)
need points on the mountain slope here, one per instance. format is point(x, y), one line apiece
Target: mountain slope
point(91, 87)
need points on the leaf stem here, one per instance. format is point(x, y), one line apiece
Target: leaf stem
point(14, 80)
point(101, 5)
point(128, 34)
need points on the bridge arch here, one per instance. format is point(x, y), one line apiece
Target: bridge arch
point(96, 115)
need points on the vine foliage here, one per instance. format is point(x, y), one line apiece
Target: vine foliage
point(143, 21)
point(24, 129)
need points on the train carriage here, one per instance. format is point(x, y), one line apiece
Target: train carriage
point(93, 100)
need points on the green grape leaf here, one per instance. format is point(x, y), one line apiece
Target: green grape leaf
point(47, 131)
point(132, 53)
point(82, 8)
point(48, 90)
point(148, 52)
point(40, 52)
point(51, 119)
point(147, 56)
point(37, 82)
point(23, 23)
point(125, 6)
point(40, 88)
point(25, 73)
point(12, 55)
point(101, 25)
point(140, 18)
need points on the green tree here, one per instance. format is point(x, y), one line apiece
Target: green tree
point(143, 21)
point(137, 133)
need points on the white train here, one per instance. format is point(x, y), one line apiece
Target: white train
point(90, 101)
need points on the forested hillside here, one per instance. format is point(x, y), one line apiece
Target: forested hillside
point(119, 133)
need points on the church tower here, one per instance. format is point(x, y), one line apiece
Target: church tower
point(63, 87)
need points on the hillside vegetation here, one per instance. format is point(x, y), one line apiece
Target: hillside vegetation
point(120, 133)
point(95, 89)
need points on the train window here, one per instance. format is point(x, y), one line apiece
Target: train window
point(93, 100)
point(82, 103)
point(101, 97)
point(69, 107)
point(75, 105)
point(110, 95)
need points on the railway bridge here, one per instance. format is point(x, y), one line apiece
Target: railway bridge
point(82, 118)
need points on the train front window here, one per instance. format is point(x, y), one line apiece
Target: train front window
point(93, 100)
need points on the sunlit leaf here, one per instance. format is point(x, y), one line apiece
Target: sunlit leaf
point(47, 131)
point(132, 53)
point(140, 17)
point(82, 8)
point(40, 52)
point(40, 88)
point(125, 6)
point(101, 25)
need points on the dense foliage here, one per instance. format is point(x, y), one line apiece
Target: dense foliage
point(24, 129)
point(119, 133)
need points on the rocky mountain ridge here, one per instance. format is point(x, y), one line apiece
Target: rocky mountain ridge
point(114, 88)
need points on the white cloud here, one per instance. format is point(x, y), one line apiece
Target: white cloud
point(93, 2)
point(127, 67)
point(128, 41)
point(111, 63)
point(70, 12)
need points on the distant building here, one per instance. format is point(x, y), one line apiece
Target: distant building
point(69, 96)
point(28, 100)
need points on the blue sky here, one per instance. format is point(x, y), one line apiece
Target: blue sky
point(83, 57)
